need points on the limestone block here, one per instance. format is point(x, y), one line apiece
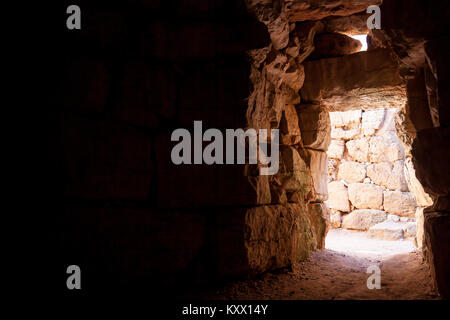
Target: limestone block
point(399, 203)
point(363, 219)
point(365, 196)
point(384, 174)
point(293, 173)
point(397, 179)
point(364, 80)
point(358, 150)
point(319, 221)
point(414, 185)
point(289, 126)
point(314, 123)
point(276, 236)
point(379, 173)
point(385, 148)
point(419, 227)
point(317, 162)
point(335, 219)
point(387, 230)
point(332, 170)
point(334, 45)
point(336, 149)
point(411, 229)
point(338, 196)
point(340, 133)
point(351, 171)
point(372, 120)
point(388, 124)
point(345, 118)
point(303, 172)
point(393, 217)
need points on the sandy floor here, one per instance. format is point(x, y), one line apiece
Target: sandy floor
point(357, 244)
point(340, 272)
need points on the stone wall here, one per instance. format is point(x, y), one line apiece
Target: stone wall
point(371, 181)
point(132, 75)
point(138, 70)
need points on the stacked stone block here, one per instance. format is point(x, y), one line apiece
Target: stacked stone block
point(366, 179)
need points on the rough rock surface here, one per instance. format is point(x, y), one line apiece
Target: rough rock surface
point(364, 80)
point(352, 172)
point(384, 174)
point(335, 219)
point(388, 230)
point(365, 196)
point(338, 196)
point(300, 10)
point(358, 150)
point(400, 203)
point(372, 120)
point(437, 243)
point(319, 219)
point(341, 119)
point(277, 235)
point(414, 185)
point(334, 45)
point(419, 227)
point(430, 151)
point(317, 161)
point(344, 134)
point(363, 219)
point(354, 24)
point(289, 126)
point(336, 149)
point(385, 148)
point(314, 123)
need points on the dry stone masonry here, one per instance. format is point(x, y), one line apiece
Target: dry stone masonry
point(129, 82)
point(369, 176)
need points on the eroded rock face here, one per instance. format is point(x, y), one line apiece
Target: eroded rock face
point(364, 80)
point(315, 127)
point(278, 235)
point(300, 10)
point(329, 45)
point(317, 161)
point(354, 24)
point(420, 238)
point(363, 219)
point(319, 218)
point(430, 151)
point(289, 126)
point(437, 240)
point(415, 187)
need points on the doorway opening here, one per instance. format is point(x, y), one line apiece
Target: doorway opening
point(375, 201)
